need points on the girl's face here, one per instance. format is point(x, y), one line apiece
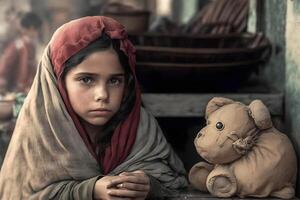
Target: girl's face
point(96, 86)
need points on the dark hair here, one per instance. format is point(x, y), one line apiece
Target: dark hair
point(104, 43)
point(31, 19)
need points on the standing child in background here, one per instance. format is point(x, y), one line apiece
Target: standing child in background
point(17, 63)
point(82, 132)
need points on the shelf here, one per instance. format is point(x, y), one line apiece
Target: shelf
point(193, 105)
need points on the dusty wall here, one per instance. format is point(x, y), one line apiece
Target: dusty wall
point(292, 73)
point(274, 26)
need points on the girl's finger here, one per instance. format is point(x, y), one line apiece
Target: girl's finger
point(132, 179)
point(138, 172)
point(126, 193)
point(116, 181)
point(136, 179)
point(134, 186)
point(132, 173)
point(126, 174)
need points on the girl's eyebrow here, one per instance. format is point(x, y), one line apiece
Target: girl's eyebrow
point(85, 74)
point(118, 74)
point(95, 74)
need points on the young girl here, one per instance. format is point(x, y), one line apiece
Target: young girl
point(82, 133)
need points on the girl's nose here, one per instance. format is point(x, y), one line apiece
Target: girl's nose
point(101, 93)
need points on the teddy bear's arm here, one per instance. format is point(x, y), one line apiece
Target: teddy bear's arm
point(221, 182)
point(198, 175)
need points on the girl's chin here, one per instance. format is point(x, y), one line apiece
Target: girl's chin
point(96, 122)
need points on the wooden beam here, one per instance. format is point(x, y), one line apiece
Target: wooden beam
point(193, 105)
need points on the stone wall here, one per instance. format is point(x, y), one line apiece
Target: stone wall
point(274, 22)
point(292, 73)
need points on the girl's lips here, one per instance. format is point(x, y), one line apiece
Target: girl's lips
point(100, 112)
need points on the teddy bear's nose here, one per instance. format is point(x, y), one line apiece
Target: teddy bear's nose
point(199, 134)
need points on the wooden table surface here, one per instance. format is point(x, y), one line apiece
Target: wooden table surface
point(192, 194)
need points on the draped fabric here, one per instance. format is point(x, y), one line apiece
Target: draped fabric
point(47, 150)
point(67, 41)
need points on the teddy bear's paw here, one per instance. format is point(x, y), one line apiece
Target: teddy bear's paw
point(221, 183)
point(287, 192)
point(198, 175)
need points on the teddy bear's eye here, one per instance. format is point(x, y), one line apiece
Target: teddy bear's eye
point(219, 126)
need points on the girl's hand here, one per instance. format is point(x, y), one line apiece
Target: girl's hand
point(128, 185)
point(136, 186)
point(105, 184)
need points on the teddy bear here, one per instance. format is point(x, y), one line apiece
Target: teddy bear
point(247, 156)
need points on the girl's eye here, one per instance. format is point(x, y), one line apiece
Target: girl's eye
point(219, 126)
point(114, 81)
point(86, 80)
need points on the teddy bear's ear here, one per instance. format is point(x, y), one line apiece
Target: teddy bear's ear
point(216, 103)
point(261, 115)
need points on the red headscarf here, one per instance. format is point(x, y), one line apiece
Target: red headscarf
point(67, 41)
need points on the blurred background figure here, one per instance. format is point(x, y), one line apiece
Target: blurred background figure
point(18, 60)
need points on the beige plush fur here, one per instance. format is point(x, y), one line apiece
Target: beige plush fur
point(247, 156)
